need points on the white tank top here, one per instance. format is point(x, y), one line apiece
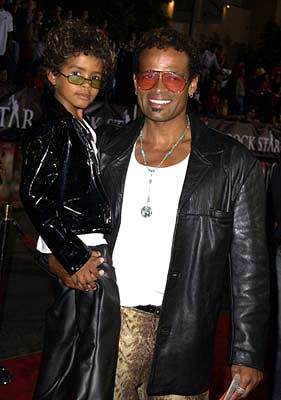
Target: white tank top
point(143, 248)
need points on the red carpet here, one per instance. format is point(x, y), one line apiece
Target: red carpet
point(25, 369)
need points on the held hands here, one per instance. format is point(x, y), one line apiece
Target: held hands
point(85, 278)
point(249, 380)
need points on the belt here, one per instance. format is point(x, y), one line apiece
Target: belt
point(150, 309)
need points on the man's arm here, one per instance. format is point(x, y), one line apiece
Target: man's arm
point(249, 282)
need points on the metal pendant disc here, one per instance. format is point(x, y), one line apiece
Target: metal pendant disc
point(146, 211)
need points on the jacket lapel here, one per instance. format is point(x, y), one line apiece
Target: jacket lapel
point(197, 168)
point(201, 157)
point(119, 142)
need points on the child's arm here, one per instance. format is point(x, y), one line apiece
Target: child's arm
point(43, 156)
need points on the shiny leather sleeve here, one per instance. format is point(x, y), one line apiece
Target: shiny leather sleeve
point(249, 272)
point(43, 156)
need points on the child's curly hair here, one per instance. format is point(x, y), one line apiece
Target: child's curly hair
point(164, 38)
point(72, 38)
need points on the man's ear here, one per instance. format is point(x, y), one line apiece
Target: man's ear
point(135, 84)
point(52, 77)
point(193, 86)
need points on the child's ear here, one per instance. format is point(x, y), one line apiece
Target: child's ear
point(52, 77)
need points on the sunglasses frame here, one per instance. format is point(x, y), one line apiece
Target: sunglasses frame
point(102, 83)
point(160, 73)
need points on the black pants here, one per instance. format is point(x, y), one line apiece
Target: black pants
point(81, 341)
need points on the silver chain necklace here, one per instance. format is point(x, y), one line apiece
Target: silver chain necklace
point(146, 210)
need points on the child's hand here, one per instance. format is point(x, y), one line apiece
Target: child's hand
point(56, 268)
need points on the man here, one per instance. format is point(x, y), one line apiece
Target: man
point(192, 204)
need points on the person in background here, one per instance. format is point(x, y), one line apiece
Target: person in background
point(276, 105)
point(209, 63)
point(213, 100)
point(240, 91)
point(3, 75)
point(6, 32)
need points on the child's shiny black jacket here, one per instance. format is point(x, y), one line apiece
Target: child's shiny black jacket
point(61, 188)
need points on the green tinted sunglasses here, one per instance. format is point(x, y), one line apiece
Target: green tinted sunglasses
point(96, 82)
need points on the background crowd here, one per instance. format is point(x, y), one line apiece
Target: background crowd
point(248, 88)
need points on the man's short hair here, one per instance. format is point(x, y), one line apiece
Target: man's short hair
point(164, 38)
point(71, 38)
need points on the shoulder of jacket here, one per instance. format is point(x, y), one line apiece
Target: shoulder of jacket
point(235, 156)
point(230, 144)
point(121, 136)
point(56, 131)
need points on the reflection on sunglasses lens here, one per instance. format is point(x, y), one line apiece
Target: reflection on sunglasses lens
point(174, 83)
point(76, 79)
point(79, 80)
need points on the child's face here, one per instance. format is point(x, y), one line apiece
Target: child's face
point(75, 98)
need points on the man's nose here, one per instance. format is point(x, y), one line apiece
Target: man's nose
point(159, 85)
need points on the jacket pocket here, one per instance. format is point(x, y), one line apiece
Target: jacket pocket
point(227, 215)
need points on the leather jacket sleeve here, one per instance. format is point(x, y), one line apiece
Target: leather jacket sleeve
point(249, 272)
point(43, 157)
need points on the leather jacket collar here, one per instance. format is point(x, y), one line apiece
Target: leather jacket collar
point(203, 145)
point(53, 109)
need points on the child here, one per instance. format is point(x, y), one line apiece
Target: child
point(62, 192)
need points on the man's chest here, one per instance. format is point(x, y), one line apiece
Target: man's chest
point(205, 186)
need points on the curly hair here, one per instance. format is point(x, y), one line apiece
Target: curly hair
point(72, 38)
point(164, 38)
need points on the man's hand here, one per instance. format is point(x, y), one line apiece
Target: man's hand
point(249, 380)
point(85, 278)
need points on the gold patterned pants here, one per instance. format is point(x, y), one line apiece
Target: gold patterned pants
point(136, 346)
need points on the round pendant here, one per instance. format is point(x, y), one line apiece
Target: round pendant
point(146, 211)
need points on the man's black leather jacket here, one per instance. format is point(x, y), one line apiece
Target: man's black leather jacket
point(61, 188)
point(219, 230)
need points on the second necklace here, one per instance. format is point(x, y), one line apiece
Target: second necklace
point(146, 210)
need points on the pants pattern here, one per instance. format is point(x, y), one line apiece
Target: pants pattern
point(136, 346)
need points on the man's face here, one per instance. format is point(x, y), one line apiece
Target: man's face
point(159, 103)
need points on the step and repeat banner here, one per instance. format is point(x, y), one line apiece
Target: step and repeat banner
point(19, 108)
point(263, 139)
